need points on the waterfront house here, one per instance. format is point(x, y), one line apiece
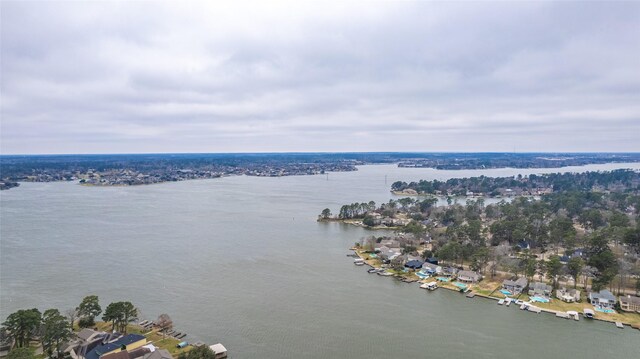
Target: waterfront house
point(630, 304)
point(603, 299)
point(469, 276)
point(389, 253)
point(87, 335)
point(449, 271)
point(414, 264)
point(159, 354)
point(431, 269)
point(540, 289)
point(220, 350)
point(87, 340)
point(127, 342)
point(568, 295)
point(141, 352)
point(515, 286)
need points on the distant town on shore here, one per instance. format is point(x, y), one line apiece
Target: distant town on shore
point(140, 169)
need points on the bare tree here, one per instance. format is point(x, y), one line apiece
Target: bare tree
point(72, 314)
point(165, 323)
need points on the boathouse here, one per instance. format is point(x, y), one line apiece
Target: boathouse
point(219, 349)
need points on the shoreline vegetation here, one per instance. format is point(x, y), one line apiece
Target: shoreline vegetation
point(132, 170)
point(532, 185)
point(74, 334)
point(579, 234)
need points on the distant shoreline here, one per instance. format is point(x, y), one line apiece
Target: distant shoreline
point(400, 193)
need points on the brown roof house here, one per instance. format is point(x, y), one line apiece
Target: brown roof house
point(630, 304)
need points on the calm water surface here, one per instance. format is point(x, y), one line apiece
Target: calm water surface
point(242, 261)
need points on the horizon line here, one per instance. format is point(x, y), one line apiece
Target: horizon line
point(315, 152)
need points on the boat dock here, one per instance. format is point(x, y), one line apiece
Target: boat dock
point(430, 286)
point(574, 315)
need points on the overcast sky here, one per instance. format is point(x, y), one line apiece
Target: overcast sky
point(105, 77)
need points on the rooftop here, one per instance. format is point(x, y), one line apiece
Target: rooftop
point(109, 347)
point(218, 348)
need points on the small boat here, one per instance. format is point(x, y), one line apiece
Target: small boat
point(501, 302)
point(182, 335)
point(588, 313)
point(143, 323)
point(619, 325)
point(358, 261)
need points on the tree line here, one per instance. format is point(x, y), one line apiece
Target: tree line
point(618, 180)
point(53, 329)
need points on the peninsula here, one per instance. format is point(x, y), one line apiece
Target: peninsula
point(573, 248)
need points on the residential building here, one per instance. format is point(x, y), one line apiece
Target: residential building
point(469, 276)
point(431, 269)
point(630, 304)
point(159, 354)
point(603, 299)
point(414, 264)
point(568, 295)
point(540, 289)
point(127, 342)
point(515, 286)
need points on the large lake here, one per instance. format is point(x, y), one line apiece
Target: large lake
point(242, 261)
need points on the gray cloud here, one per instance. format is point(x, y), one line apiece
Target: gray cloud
point(289, 76)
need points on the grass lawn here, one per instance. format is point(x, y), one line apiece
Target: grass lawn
point(167, 343)
point(488, 288)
